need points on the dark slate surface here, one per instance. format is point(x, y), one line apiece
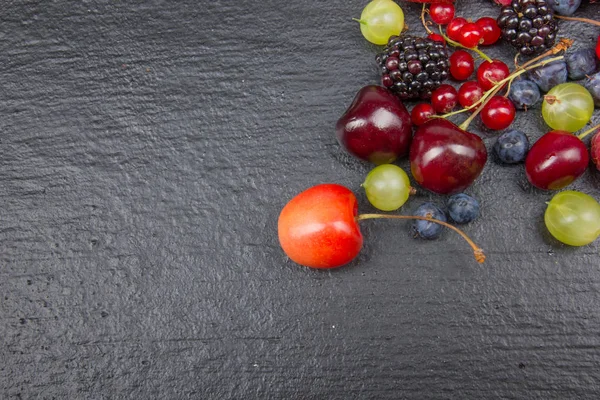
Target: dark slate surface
point(146, 148)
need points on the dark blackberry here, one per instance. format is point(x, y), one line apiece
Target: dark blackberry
point(528, 25)
point(413, 67)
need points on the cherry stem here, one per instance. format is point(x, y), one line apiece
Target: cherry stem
point(589, 21)
point(429, 31)
point(360, 21)
point(456, 44)
point(477, 251)
point(584, 134)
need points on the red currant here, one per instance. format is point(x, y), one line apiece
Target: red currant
point(436, 37)
point(444, 99)
point(491, 30)
point(454, 27)
point(498, 113)
point(469, 93)
point(471, 35)
point(462, 65)
point(598, 47)
point(490, 73)
point(441, 13)
point(421, 113)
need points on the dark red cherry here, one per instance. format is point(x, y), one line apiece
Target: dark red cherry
point(421, 113)
point(462, 65)
point(444, 158)
point(556, 160)
point(444, 99)
point(469, 93)
point(454, 27)
point(490, 73)
point(498, 113)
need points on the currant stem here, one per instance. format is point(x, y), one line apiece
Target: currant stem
point(584, 134)
point(589, 21)
point(477, 251)
point(429, 31)
point(456, 44)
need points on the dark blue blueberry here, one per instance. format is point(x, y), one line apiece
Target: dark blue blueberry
point(524, 93)
point(593, 85)
point(425, 229)
point(549, 75)
point(511, 147)
point(564, 7)
point(463, 208)
point(581, 63)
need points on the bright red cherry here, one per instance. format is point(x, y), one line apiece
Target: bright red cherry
point(471, 35)
point(556, 160)
point(454, 27)
point(444, 158)
point(444, 99)
point(490, 73)
point(441, 13)
point(421, 113)
point(462, 65)
point(318, 228)
point(469, 93)
point(498, 113)
point(491, 30)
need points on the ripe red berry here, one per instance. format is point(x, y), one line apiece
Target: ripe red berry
point(436, 37)
point(421, 113)
point(469, 93)
point(498, 113)
point(444, 99)
point(490, 73)
point(598, 47)
point(491, 30)
point(471, 35)
point(462, 65)
point(454, 27)
point(441, 13)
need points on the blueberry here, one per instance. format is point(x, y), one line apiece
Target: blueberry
point(511, 147)
point(564, 7)
point(463, 208)
point(593, 85)
point(549, 75)
point(425, 229)
point(581, 63)
point(524, 93)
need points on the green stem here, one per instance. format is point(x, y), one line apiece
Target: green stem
point(456, 44)
point(360, 21)
point(584, 134)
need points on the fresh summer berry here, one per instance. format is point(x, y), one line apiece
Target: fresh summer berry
point(471, 35)
point(593, 86)
point(444, 99)
point(387, 187)
point(581, 63)
point(567, 107)
point(573, 218)
point(490, 73)
point(462, 208)
point(524, 93)
point(462, 65)
point(511, 147)
point(436, 37)
point(491, 30)
point(381, 19)
point(454, 27)
point(549, 75)
point(425, 229)
point(598, 47)
point(498, 113)
point(441, 13)
point(469, 93)
point(421, 113)
point(564, 7)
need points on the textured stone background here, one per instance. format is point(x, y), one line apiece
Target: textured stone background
point(146, 148)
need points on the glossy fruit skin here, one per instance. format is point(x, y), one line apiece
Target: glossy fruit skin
point(445, 159)
point(425, 229)
point(581, 63)
point(441, 13)
point(567, 107)
point(470, 93)
point(382, 19)
point(444, 99)
point(376, 127)
point(573, 218)
point(489, 73)
point(524, 93)
point(318, 227)
point(498, 113)
point(549, 75)
point(564, 7)
point(471, 35)
point(491, 30)
point(421, 113)
point(556, 160)
point(463, 208)
point(387, 187)
point(595, 150)
point(511, 147)
point(593, 86)
point(454, 27)
point(598, 47)
point(462, 65)
point(436, 37)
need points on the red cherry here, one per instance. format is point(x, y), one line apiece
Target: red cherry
point(498, 113)
point(444, 99)
point(441, 13)
point(469, 93)
point(471, 35)
point(462, 65)
point(318, 228)
point(490, 73)
point(421, 113)
point(454, 27)
point(437, 37)
point(556, 160)
point(596, 149)
point(491, 30)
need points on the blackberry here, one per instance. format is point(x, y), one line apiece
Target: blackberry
point(528, 25)
point(413, 67)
